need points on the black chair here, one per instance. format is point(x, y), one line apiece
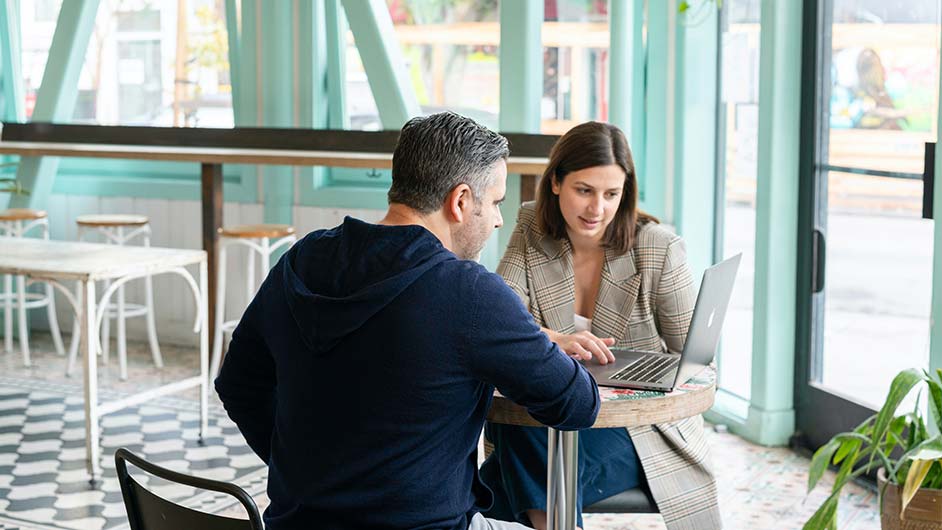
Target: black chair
point(635, 500)
point(147, 511)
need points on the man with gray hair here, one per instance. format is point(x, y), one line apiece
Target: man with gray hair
point(362, 371)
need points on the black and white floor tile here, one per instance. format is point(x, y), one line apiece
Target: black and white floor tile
point(43, 482)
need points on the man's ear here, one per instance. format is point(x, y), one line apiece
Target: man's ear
point(458, 203)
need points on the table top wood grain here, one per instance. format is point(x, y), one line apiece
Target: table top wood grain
point(628, 408)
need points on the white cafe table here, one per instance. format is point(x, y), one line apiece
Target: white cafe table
point(55, 262)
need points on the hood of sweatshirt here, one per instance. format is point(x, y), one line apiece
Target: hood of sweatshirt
point(336, 280)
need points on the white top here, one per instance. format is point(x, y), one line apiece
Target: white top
point(582, 323)
point(65, 260)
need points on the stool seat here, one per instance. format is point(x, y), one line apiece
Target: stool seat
point(106, 220)
point(255, 231)
point(22, 214)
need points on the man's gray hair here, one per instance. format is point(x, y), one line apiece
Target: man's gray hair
point(438, 152)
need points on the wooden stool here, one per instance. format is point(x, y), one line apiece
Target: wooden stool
point(16, 222)
point(118, 229)
point(258, 240)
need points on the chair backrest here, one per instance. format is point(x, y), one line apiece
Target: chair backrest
point(147, 511)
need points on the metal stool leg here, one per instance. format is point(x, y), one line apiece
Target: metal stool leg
point(8, 313)
point(151, 324)
point(51, 305)
point(24, 332)
point(122, 337)
point(106, 329)
point(220, 309)
point(53, 320)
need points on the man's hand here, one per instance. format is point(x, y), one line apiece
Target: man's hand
point(584, 345)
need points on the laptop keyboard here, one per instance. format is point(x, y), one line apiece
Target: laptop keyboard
point(647, 369)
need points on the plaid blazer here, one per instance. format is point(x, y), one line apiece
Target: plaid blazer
point(645, 302)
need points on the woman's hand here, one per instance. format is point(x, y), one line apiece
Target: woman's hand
point(584, 345)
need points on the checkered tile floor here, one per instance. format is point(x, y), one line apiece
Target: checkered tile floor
point(43, 483)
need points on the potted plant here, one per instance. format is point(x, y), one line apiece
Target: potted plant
point(910, 486)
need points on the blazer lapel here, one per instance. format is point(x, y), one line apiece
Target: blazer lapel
point(618, 291)
point(553, 283)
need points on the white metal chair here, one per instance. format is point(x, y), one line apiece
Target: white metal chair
point(17, 222)
point(119, 229)
point(259, 241)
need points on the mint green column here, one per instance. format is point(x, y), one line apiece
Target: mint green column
point(312, 81)
point(382, 59)
point(278, 45)
point(11, 72)
point(55, 100)
point(935, 320)
point(694, 153)
point(771, 417)
point(653, 176)
point(521, 88)
point(626, 73)
point(336, 42)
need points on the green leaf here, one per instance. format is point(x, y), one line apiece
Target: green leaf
point(849, 442)
point(894, 433)
point(935, 400)
point(932, 445)
point(847, 467)
point(683, 7)
point(931, 449)
point(820, 461)
point(899, 388)
point(917, 473)
point(826, 516)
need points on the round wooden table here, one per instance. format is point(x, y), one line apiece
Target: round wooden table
point(620, 408)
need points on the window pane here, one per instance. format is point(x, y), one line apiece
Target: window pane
point(883, 104)
point(136, 70)
point(739, 126)
point(450, 51)
point(575, 64)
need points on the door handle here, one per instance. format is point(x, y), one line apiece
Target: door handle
point(928, 180)
point(818, 259)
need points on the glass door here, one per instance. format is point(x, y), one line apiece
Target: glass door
point(873, 78)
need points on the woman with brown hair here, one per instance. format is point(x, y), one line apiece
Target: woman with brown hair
point(596, 272)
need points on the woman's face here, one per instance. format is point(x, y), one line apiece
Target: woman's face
point(589, 199)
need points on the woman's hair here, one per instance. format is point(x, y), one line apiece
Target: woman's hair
point(588, 145)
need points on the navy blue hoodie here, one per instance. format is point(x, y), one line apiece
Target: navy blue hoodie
point(363, 370)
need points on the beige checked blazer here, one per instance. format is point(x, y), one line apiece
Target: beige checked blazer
point(645, 302)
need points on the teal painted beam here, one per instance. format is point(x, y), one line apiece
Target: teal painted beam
point(383, 61)
point(12, 72)
point(232, 35)
point(521, 65)
point(55, 99)
point(935, 320)
point(771, 413)
point(626, 72)
point(279, 45)
point(653, 177)
point(312, 94)
point(695, 94)
point(249, 56)
point(521, 89)
point(336, 42)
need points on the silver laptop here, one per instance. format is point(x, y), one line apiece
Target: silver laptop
point(663, 371)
